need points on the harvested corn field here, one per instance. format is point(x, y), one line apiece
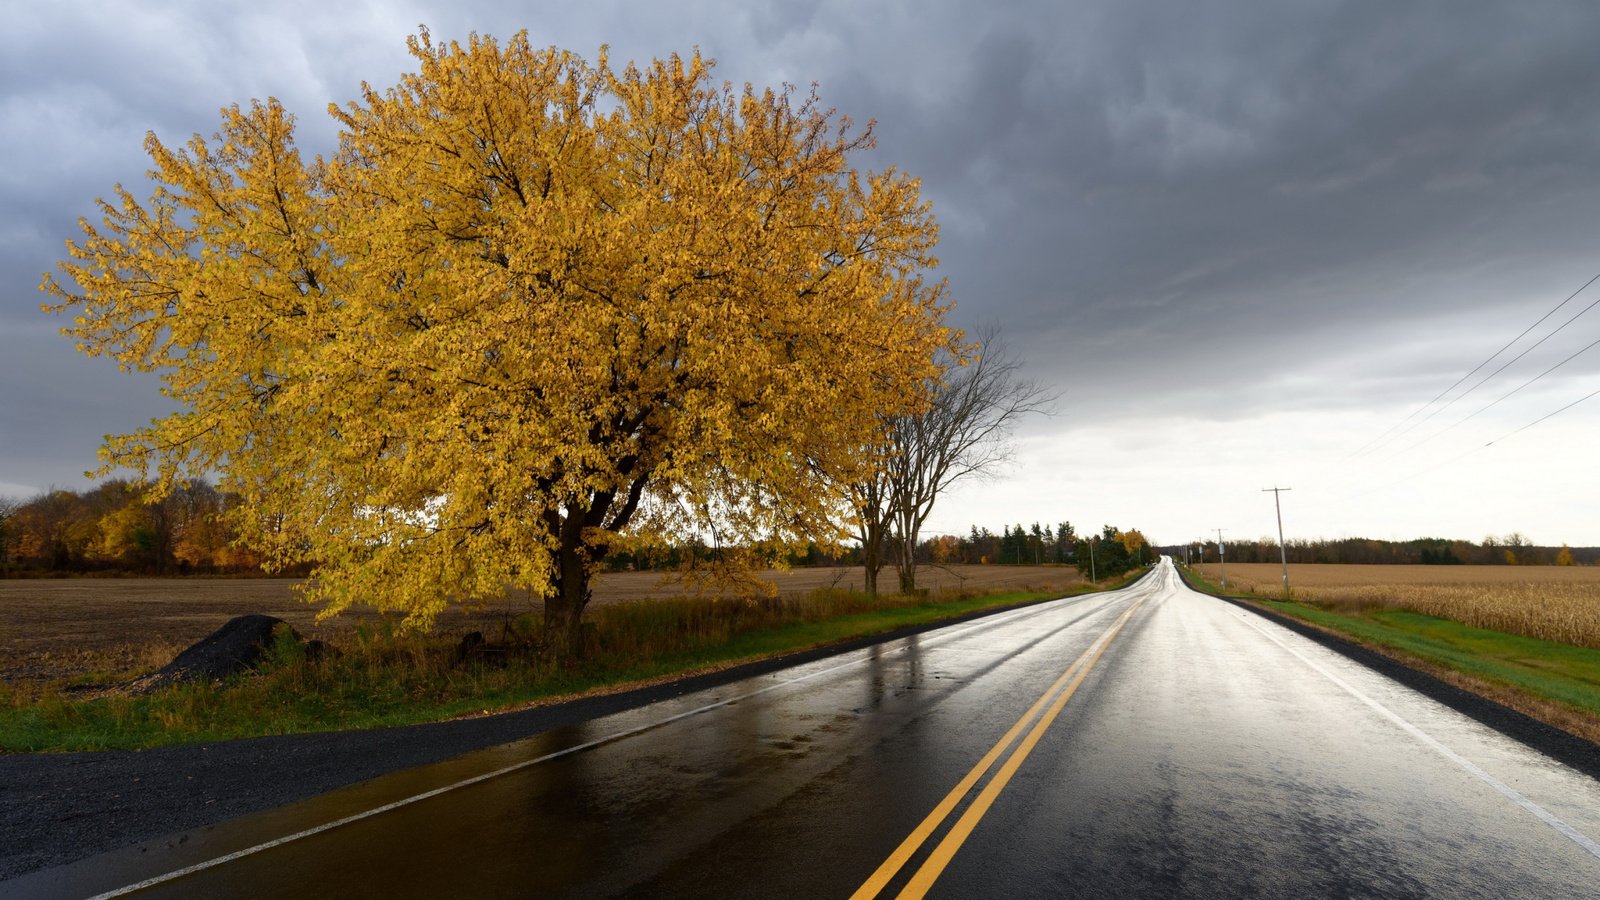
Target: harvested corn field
point(1556, 603)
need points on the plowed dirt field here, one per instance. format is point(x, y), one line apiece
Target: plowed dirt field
point(56, 628)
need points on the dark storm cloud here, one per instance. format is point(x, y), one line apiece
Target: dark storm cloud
point(1132, 190)
point(83, 84)
point(1172, 171)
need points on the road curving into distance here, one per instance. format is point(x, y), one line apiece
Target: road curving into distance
point(1149, 741)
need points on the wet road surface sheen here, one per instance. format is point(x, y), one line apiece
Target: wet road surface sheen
point(1198, 751)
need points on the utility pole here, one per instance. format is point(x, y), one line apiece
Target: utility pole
point(1283, 554)
point(1222, 558)
point(1092, 576)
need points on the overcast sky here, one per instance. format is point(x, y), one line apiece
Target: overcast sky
point(1243, 240)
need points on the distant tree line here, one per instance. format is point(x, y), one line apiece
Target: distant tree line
point(114, 528)
point(1495, 550)
point(1115, 551)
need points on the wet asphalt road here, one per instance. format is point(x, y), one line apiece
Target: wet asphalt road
point(1147, 742)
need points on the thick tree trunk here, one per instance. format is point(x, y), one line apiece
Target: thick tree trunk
point(871, 532)
point(908, 576)
point(563, 609)
point(906, 566)
point(583, 529)
point(871, 563)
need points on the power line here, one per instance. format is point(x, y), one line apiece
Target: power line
point(1506, 395)
point(1509, 362)
point(1543, 417)
point(1450, 462)
point(1379, 440)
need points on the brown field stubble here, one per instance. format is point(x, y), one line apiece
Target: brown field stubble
point(63, 628)
point(1554, 603)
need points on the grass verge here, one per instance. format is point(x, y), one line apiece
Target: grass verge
point(379, 678)
point(1556, 683)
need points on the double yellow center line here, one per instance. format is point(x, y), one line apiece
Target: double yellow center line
point(1055, 698)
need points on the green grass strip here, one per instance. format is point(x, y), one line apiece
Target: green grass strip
point(1561, 673)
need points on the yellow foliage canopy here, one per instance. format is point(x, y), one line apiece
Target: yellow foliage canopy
point(531, 305)
point(1132, 541)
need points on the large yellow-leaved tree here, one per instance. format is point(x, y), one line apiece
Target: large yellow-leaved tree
point(532, 307)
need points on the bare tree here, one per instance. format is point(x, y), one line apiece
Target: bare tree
point(871, 501)
point(965, 432)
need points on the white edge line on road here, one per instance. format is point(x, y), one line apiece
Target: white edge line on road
point(1544, 815)
point(588, 745)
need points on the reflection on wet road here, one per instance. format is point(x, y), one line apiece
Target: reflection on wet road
point(1145, 742)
